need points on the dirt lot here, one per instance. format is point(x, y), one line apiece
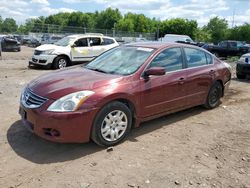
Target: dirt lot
point(192, 148)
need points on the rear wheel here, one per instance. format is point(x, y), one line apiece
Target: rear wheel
point(240, 76)
point(214, 95)
point(60, 62)
point(112, 124)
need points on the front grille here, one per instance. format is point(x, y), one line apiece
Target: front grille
point(31, 100)
point(42, 61)
point(38, 52)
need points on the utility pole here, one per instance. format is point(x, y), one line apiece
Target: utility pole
point(233, 18)
point(0, 49)
point(158, 31)
point(114, 29)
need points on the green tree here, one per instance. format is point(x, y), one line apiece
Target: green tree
point(108, 18)
point(179, 26)
point(202, 35)
point(240, 33)
point(58, 19)
point(9, 25)
point(1, 22)
point(218, 28)
point(125, 24)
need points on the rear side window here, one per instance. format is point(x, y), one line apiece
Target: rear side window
point(107, 41)
point(233, 44)
point(195, 57)
point(170, 59)
point(209, 59)
point(95, 41)
point(223, 44)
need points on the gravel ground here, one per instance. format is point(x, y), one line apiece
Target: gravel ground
point(192, 148)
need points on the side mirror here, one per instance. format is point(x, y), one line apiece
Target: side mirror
point(156, 71)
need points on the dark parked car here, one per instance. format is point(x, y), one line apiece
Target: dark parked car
point(243, 66)
point(33, 42)
point(120, 89)
point(9, 43)
point(227, 48)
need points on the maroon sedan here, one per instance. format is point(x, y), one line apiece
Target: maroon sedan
point(120, 89)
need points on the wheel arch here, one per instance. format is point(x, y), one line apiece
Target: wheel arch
point(125, 100)
point(222, 85)
point(63, 55)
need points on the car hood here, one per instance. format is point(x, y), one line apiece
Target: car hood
point(60, 83)
point(246, 55)
point(46, 47)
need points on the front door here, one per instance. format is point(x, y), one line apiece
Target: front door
point(81, 51)
point(164, 93)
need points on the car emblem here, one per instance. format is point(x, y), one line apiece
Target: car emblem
point(26, 97)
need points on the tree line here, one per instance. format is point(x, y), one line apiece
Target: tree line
point(216, 30)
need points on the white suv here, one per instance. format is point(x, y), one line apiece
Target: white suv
point(72, 49)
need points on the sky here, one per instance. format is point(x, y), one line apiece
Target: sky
point(237, 12)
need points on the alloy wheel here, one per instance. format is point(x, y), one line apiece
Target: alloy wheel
point(114, 125)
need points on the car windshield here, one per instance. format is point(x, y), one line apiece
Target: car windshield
point(122, 60)
point(240, 44)
point(64, 41)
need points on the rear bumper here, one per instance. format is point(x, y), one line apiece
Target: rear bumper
point(243, 68)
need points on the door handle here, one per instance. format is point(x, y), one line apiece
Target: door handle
point(181, 81)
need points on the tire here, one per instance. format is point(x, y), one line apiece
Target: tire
point(106, 130)
point(60, 62)
point(214, 95)
point(240, 76)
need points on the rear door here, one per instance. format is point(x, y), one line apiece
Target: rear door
point(96, 46)
point(166, 92)
point(200, 75)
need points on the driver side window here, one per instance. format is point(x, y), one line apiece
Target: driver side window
point(170, 59)
point(82, 42)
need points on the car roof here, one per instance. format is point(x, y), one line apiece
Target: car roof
point(89, 35)
point(158, 45)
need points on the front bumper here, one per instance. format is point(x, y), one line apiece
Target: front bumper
point(12, 47)
point(226, 86)
point(73, 127)
point(43, 60)
point(243, 68)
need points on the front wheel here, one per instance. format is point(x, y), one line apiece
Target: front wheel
point(60, 62)
point(112, 124)
point(214, 95)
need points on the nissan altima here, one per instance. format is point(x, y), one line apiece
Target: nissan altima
point(118, 90)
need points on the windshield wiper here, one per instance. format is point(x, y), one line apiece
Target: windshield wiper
point(96, 69)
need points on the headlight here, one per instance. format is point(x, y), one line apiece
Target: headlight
point(70, 102)
point(47, 52)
